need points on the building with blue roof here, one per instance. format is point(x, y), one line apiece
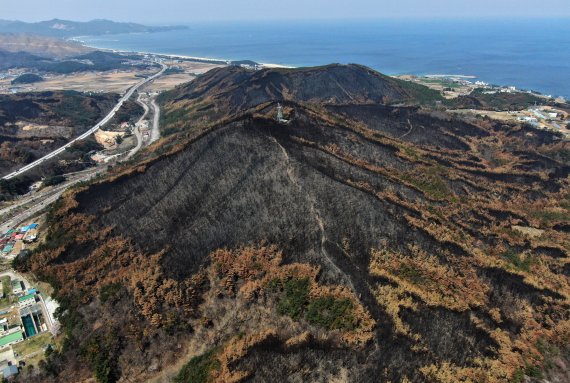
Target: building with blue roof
point(10, 371)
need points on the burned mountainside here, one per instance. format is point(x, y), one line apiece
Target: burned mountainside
point(367, 239)
point(229, 91)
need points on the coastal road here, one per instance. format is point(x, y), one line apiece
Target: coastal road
point(90, 131)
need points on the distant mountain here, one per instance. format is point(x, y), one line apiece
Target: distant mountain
point(66, 28)
point(43, 46)
point(332, 83)
point(18, 60)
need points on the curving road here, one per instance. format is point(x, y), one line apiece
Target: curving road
point(90, 131)
point(155, 134)
point(137, 130)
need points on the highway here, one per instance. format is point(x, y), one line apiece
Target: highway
point(29, 206)
point(19, 204)
point(90, 131)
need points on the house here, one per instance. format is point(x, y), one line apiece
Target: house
point(528, 119)
point(10, 371)
point(17, 286)
point(27, 300)
point(30, 238)
point(36, 185)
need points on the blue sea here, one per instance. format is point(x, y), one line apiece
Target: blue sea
point(528, 54)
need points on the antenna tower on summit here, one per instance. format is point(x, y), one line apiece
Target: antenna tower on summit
point(280, 118)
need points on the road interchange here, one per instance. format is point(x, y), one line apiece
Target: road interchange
point(101, 123)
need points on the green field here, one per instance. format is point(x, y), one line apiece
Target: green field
point(33, 344)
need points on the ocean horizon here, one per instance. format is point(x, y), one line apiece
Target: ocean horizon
point(531, 54)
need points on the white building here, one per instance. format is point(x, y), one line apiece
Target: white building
point(17, 287)
point(27, 300)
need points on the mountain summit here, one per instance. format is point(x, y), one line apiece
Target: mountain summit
point(368, 239)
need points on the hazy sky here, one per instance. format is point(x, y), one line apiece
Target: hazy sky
point(169, 11)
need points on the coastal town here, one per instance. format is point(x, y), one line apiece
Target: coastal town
point(542, 111)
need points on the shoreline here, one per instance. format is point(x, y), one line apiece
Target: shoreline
point(264, 65)
point(281, 66)
point(461, 76)
point(179, 56)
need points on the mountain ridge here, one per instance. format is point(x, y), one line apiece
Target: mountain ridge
point(223, 92)
point(362, 240)
point(66, 28)
point(47, 47)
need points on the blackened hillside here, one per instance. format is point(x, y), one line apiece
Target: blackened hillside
point(227, 91)
point(359, 242)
